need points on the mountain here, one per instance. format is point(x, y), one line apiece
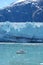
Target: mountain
point(22, 11)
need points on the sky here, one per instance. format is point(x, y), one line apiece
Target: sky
point(4, 3)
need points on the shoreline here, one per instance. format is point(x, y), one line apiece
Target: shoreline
point(21, 43)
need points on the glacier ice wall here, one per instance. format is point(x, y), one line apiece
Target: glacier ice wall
point(27, 29)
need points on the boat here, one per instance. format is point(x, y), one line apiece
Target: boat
point(20, 52)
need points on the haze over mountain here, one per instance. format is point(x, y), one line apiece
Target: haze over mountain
point(22, 11)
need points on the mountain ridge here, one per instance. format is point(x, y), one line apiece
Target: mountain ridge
point(22, 12)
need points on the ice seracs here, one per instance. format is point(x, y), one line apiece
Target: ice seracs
point(22, 31)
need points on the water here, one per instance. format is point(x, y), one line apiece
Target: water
point(33, 54)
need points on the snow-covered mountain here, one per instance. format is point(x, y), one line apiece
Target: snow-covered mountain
point(22, 11)
point(22, 21)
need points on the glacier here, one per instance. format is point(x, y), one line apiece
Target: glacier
point(21, 32)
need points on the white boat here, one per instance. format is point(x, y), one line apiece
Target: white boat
point(20, 52)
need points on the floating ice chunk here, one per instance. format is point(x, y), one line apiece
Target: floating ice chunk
point(41, 63)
